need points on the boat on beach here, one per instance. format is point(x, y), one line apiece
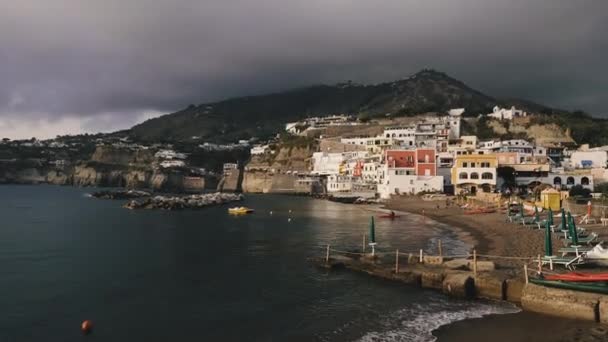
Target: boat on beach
point(240, 210)
point(594, 287)
point(578, 277)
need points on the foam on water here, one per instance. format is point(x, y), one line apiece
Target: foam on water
point(417, 322)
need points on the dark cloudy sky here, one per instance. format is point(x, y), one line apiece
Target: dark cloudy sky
point(71, 66)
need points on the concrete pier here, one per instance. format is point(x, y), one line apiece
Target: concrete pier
point(560, 302)
point(454, 278)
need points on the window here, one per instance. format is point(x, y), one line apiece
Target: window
point(474, 175)
point(557, 181)
point(487, 175)
point(465, 164)
point(584, 181)
point(463, 175)
point(570, 181)
point(472, 164)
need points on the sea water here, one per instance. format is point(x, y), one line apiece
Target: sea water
point(203, 275)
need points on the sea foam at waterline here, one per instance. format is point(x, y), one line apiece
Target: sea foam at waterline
point(417, 323)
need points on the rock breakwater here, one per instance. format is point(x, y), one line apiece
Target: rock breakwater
point(183, 202)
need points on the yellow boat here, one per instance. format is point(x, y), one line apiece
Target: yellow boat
point(240, 210)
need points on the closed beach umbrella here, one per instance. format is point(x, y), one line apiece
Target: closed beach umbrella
point(509, 208)
point(548, 242)
point(564, 226)
point(536, 214)
point(572, 230)
point(550, 217)
point(521, 210)
point(372, 231)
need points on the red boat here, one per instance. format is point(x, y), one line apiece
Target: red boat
point(576, 276)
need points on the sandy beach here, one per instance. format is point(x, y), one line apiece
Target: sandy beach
point(492, 234)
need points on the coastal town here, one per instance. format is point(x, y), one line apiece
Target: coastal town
point(338, 156)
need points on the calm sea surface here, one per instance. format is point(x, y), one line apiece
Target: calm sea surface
point(204, 275)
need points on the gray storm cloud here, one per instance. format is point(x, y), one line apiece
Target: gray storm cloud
point(107, 64)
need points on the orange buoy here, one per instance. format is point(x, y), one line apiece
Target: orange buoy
point(86, 327)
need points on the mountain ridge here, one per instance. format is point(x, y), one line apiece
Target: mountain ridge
point(263, 115)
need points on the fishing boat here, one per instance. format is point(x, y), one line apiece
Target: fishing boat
point(578, 277)
point(595, 287)
point(240, 210)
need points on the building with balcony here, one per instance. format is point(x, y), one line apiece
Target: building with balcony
point(473, 173)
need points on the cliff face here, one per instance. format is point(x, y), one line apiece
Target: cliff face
point(108, 167)
point(271, 173)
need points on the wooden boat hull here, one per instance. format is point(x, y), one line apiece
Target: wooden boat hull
point(578, 277)
point(599, 287)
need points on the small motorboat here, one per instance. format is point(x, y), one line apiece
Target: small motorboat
point(390, 215)
point(240, 210)
point(578, 277)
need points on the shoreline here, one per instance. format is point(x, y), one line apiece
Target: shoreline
point(491, 234)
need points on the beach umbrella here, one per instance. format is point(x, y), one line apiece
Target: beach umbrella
point(509, 208)
point(521, 210)
point(372, 231)
point(536, 215)
point(550, 217)
point(572, 230)
point(564, 227)
point(548, 242)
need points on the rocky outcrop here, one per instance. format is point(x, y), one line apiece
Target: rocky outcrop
point(183, 202)
point(59, 177)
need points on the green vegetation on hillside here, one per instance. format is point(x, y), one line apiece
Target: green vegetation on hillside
point(263, 116)
point(584, 128)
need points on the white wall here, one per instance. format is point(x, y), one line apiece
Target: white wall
point(406, 184)
point(597, 158)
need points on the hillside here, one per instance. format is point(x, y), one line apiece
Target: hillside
point(426, 91)
point(243, 117)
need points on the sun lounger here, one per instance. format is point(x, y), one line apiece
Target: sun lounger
point(569, 263)
point(574, 250)
point(583, 240)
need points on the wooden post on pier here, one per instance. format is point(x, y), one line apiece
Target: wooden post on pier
point(440, 248)
point(421, 259)
point(540, 265)
point(327, 255)
point(526, 272)
point(475, 263)
point(396, 261)
point(363, 242)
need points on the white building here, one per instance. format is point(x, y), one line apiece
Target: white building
point(169, 154)
point(398, 181)
point(172, 163)
point(405, 135)
point(259, 149)
point(506, 114)
point(568, 180)
point(339, 183)
point(453, 122)
point(589, 159)
point(370, 172)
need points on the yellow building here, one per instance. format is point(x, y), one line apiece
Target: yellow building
point(474, 172)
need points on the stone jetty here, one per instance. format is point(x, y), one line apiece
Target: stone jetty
point(461, 278)
point(183, 202)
